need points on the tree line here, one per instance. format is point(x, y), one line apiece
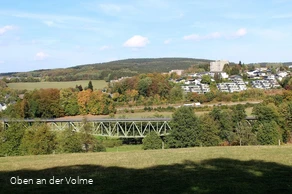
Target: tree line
point(227, 126)
point(54, 103)
point(39, 139)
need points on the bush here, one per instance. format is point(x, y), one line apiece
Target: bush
point(112, 142)
point(152, 141)
point(268, 133)
point(98, 147)
point(88, 141)
point(10, 139)
point(69, 142)
point(38, 139)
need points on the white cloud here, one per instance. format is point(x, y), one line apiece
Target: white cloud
point(196, 37)
point(136, 41)
point(49, 23)
point(41, 56)
point(192, 37)
point(241, 32)
point(105, 47)
point(168, 41)
point(5, 29)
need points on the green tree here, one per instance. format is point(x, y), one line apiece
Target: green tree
point(244, 134)
point(69, 141)
point(88, 141)
point(206, 79)
point(209, 133)
point(185, 129)
point(10, 139)
point(266, 113)
point(37, 140)
point(152, 141)
point(69, 102)
point(268, 133)
point(90, 86)
point(175, 94)
point(226, 123)
point(239, 113)
point(143, 86)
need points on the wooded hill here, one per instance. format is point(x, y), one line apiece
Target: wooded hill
point(112, 70)
point(115, 69)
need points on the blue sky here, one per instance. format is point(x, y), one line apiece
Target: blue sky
point(56, 34)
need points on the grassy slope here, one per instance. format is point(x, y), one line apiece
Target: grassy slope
point(195, 170)
point(97, 84)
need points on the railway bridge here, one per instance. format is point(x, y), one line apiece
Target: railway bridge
point(121, 128)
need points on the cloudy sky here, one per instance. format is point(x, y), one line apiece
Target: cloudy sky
point(53, 34)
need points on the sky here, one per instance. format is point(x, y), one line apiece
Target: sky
point(58, 34)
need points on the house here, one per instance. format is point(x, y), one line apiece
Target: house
point(3, 107)
point(217, 66)
point(282, 74)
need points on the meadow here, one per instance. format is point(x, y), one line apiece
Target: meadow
point(257, 169)
point(97, 84)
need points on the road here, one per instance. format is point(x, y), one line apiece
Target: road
point(178, 105)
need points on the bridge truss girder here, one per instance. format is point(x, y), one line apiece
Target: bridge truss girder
point(113, 128)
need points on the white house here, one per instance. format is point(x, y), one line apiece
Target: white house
point(282, 74)
point(3, 107)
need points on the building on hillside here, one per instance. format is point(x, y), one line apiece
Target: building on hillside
point(179, 72)
point(3, 107)
point(217, 66)
point(197, 88)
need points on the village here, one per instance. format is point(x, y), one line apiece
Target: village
point(261, 78)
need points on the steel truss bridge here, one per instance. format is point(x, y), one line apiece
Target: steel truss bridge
point(120, 128)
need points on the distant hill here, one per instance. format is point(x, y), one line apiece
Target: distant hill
point(113, 69)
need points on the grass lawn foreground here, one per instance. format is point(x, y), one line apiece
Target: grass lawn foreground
point(257, 169)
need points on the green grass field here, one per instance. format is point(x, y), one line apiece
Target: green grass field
point(258, 169)
point(125, 148)
point(97, 84)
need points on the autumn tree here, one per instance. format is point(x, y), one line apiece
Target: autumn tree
point(83, 100)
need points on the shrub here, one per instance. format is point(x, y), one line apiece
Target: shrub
point(268, 133)
point(38, 139)
point(152, 141)
point(69, 142)
point(112, 142)
point(88, 141)
point(10, 139)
